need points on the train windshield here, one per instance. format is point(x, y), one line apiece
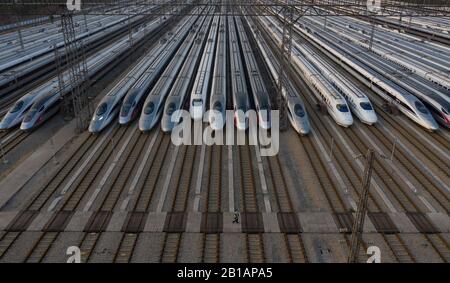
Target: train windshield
point(30, 115)
point(126, 108)
point(422, 109)
point(17, 106)
point(342, 107)
point(170, 109)
point(366, 106)
point(149, 108)
point(197, 102)
point(217, 106)
point(102, 109)
point(299, 111)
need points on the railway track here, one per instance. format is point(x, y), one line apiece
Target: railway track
point(396, 244)
point(11, 139)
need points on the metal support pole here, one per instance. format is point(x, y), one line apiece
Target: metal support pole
point(4, 160)
point(371, 33)
point(85, 22)
point(358, 224)
point(52, 144)
point(19, 31)
point(331, 148)
point(393, 149)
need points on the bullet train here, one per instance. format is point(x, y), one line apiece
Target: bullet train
point(407, 103)
point(259, 91)
point(154, 103)
point(95, 64)
point(134, 98)
point(325, 93)
point(241, 102)
point(183, 83)
point(16, 113)
point(438, 106)
point(358, 102)
point(297, 114)
point(110, 106)
point(202, 80)
point(218, 99)
point(42, 109)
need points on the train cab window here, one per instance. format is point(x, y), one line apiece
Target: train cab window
point(102, 109)
point(197, 102)
point(366, 106)
point(342, 107)
point(17, 106)
point(126, 108)
point(29, 116)
point(170, 109)
point(217, 106)
point(299, 111)
point(149, 108)
point(421, 107)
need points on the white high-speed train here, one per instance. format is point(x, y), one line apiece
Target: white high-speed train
point(259, 91)
point(182, 84)
point(241, 102)
point(202, 80)
point(324, 91)
point(154, 103)
point(218, 98)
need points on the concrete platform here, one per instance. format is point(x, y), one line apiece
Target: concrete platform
point(148, 248)
point(317, 222)
point(78, 221)
point(441, 221)
point(155, 222)
point(106, 247)
point(24, 171)
point(194, 221)
point(191, 248)
point(271, 224)
point(6, 218)
point(116, 222)
point(40, 221)
point(403, 223)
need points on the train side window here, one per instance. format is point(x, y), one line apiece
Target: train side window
point(42, 108)
point(342, 107)
point(366, 106)
point(217, 106)
point(17, 106)
point(102, 109)
point(421, 107)
point(299, 111)
point(170, 108)
point(149, 108)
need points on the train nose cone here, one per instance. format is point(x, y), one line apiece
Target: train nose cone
point(123, 120)
point(147, 122)
point(96, 125)
point(347, 121)
point(6, 122)
point(433, 125)
point(26, 126)
point(371, 118)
